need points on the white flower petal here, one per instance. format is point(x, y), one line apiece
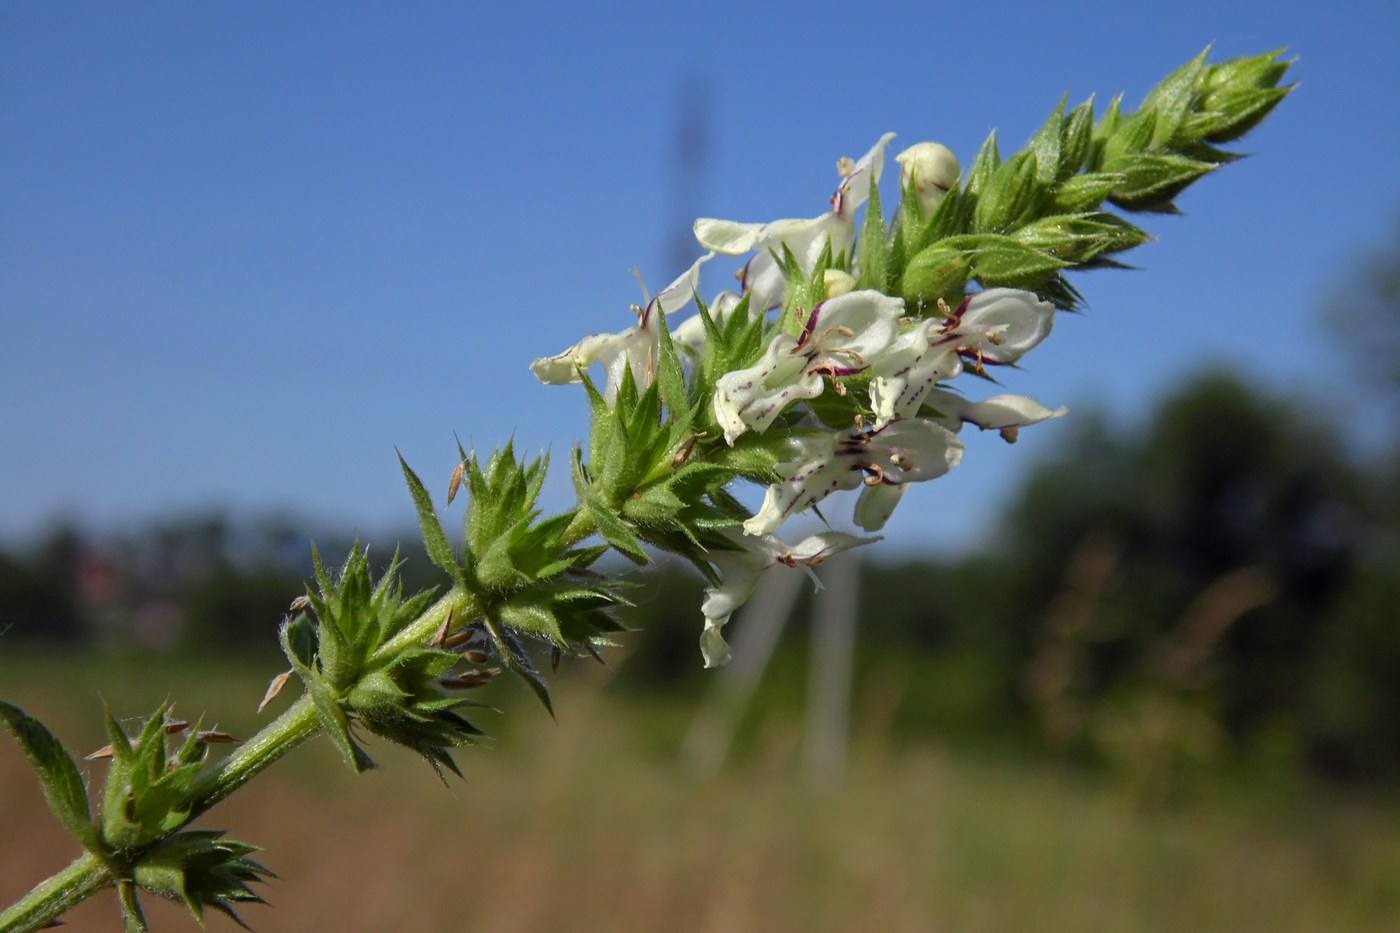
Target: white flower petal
point(764, 282)
point(713, 647)
point(680, 292)
point(567, 367)
point(914, 450)
point(853, 329)
point(728, 237)
point(907, 451)
point(999, 411)
point(1004, 323)
point(814, 549)
point(756, 396)
point(908, 371)
point(875, 506)
point(744, 569)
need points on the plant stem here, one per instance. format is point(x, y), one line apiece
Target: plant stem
point(297, 724)
point(52, 898)
point(461, 606)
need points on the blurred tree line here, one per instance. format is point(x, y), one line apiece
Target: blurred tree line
point(1215, 585)
point(1218, 582)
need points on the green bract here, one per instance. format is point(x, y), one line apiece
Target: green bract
point(336, 651)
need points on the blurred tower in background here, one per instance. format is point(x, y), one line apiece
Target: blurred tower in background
point(692, 151)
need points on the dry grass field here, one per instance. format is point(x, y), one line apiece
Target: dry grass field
point(592, 824)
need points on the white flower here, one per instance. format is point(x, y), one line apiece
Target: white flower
point(743, 570)
point(1004, 413)
point(997, 326)
point(635, 348)
point(841, 337)
point(881, 460)
point(763, 277)
point(930, 169)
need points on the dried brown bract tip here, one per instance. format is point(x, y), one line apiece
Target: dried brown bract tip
point(455, 483)
point(274, 688)
point(439, 638)
point(469, 680)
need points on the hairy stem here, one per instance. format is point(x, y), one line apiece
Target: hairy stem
point(296, 725)
point(52, 898)
point(456, 602)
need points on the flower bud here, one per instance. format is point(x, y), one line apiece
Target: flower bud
point(931, 170)
point(837, 282)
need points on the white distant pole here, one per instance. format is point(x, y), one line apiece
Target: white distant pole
point(833, 661)
point(707, 743)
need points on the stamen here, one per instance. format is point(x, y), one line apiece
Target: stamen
point(845, 351)
point(837, 328)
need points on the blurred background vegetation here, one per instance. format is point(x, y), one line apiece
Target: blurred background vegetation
point(1177, 656)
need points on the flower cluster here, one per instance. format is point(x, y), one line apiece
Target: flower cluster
point(883, 362)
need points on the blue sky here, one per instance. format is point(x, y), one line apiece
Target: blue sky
point(248, 249)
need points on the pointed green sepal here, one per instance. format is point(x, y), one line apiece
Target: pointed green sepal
point(434, 540)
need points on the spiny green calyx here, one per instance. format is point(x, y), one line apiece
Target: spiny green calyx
point(645, 479)
point(200, 868)
point(522, 575)
point(398, 697)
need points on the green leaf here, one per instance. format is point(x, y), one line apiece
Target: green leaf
point(1083, 192)
point(1133, 136)
point(1047, 145)
point(513, 653)
point(201, 869)
point(1104, 130)
point(1236, 111)
point(670, 376)
point(1078, 137)
point(984, 166)
point(133, 920)
point(328, 709)
point(1003, 261)
point(58, 773)
point(615, 531)
point(1172, 99)
point(935, 273)
point(532, 612)
point(874, 249)
point(1151, 181)
point(1011, 196)
point(438, 547)
point(1078, 238)
point(375, 690)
